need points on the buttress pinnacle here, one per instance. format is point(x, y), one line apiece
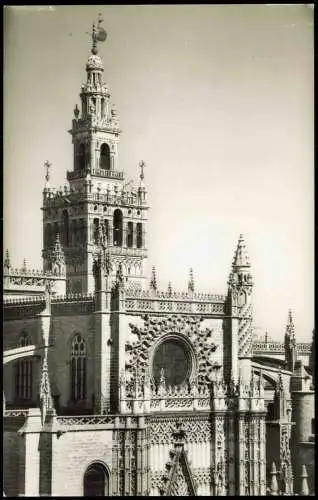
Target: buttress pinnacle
point(290, 328)
point(241, 258)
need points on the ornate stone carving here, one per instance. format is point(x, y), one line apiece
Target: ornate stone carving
point(196, 430)
point(45, 390)
point(178, 479)
point(155, 327)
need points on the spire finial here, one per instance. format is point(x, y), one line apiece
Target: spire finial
point(153, 280)
point(304, 482)
point(47, 165)
point(142, 166)
point(279, 383)
point(169, 288)
point(274, 484)
point(191, 285)
point(290, 328)
point(76, 112)
point(241, 258)
point(7, 263)
point(57, 245)
point(24, 266)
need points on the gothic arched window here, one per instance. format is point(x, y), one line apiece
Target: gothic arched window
point(78, 369)
point(65, 228)
point(24, 375)
point(104, 159)
point(118, 228)
point(96, 481)
point(139, 235)
point(81, 157)
point(130, 232)
point(102, 107)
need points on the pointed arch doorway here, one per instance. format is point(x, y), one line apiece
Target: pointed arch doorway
point(96, 481)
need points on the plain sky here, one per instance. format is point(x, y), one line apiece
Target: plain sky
point(217, 100)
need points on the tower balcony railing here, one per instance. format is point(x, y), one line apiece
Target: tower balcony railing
point(97, 172)
point(127, 251)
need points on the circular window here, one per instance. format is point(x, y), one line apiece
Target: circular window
point(173, 358)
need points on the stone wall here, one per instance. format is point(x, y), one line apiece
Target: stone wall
point(63, 330)
point(72, 453)
point(13, 457)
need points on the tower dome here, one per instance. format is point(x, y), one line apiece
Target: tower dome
point(94, 62)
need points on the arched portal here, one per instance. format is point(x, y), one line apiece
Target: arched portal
point(104, 159)
point(96, 481)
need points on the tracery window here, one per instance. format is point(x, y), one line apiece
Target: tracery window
point(24, 372)
point(78, 369)
point(172, 358)
point(96, 481)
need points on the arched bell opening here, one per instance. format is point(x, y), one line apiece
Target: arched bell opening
point(104, 159)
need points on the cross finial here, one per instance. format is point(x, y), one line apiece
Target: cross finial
point(142, 166)
point(47, 165)
point(7, 263)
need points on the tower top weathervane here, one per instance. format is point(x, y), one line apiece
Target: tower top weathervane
point(98, 34)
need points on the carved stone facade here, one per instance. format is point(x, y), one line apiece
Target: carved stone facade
point(158, 395)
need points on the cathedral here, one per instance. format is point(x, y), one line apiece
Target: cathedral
point(113, 387)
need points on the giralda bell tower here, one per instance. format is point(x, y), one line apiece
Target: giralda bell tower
point(98, 211)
